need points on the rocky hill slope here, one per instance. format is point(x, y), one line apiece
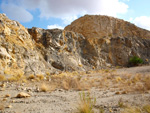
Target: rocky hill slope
point(39, 51)
point(114, 41)
point(101, 41)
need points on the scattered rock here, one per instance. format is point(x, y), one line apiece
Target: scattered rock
point(5, 99)
point(7, 95)
point(124, 92)
point(3, 85)
point(58, 65)
point(117, 93)
point(13, 101)
point(9, 106)
point(22, 95)
point(2, 89)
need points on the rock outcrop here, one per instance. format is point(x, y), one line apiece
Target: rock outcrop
point(100, 41)
point(18, 53)
point(113, 40)
point(60, 49)
point(38, 51)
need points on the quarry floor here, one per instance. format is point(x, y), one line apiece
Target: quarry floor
point(124, 90)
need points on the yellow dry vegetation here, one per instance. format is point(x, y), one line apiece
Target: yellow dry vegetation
point(13, 70)
point(146, 108)
point(40, 77)
point(132, 110)
point(86, 103)
point(17, 40)
point(44, 87)
point(17, 78)
point(2, 77)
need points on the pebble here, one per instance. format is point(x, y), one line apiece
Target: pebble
point(7, 95)
point(4, 99)
point(9, 106)
point(117, 93)
point(22, 95)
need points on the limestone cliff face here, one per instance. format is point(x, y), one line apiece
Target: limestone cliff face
point(18, 53)
point(60, 49)
point(37, 51)
point(114, 41)
point(101, 41)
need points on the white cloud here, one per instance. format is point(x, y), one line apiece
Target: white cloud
point(68, 20)
point(131, 19)
point(126, 0)
point(67, 10)
point(54, 26)
point(142, 21)
point(16, 12)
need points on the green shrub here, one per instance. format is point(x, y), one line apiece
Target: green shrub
point(134, 61)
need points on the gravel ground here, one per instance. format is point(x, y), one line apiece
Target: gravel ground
point(67, 101)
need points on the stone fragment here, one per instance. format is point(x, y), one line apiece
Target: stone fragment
point(22, 95)
point(9, 106)
point(7, 95)
point(3, 85)
point(117, 93)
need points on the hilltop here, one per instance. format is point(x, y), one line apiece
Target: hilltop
point(113, 40)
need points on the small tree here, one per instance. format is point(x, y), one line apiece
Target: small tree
point(134, 61)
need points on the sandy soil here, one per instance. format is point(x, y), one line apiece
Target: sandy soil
point(110, 88)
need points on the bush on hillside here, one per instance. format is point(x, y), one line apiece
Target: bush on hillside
point(135, 61)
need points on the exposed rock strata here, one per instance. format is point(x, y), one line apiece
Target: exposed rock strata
point(60, 49)
point(114, 41)
point(18, 53)
point(101, 41)
point(42, 51)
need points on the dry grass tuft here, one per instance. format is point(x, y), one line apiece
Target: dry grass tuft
point(71, 83)
point(12, 79)
point(132, 110)
point(2, 77)
point(44, 87)
point(146, 108)
point(40, 77)
point(16, 78)
point(86, 103)
point(147, 83)
point(121, 104)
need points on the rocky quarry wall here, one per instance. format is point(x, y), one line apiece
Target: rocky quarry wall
point(114, 40)
point(91, 42)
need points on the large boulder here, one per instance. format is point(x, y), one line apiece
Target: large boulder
point(113, 40)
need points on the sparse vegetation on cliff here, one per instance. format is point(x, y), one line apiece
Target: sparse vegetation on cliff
point(134, 61)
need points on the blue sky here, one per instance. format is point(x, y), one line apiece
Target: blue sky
point(50, 14)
